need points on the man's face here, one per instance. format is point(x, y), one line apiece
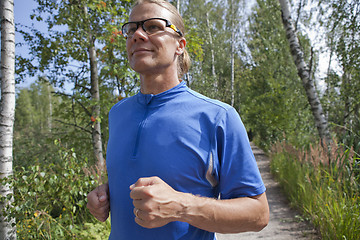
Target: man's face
point(155, 53)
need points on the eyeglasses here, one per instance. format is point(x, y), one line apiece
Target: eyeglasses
point(150, 26)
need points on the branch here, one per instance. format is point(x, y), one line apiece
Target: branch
point(73, 125)
point(84, 87)
point(298, 15)
point(82, 106)
point(311, 62)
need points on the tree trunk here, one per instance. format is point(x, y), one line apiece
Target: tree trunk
point(7, 112)
point(213, 72)
point(304, 73)
point(178, 3)
point(50, 107)
point(345, 86)
point(232, 55)
point(95, 95)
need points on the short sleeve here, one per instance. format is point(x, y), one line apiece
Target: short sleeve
point(235, 165)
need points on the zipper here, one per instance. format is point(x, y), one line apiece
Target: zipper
point(138, 136)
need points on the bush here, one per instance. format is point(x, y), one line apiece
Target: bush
point(50, 199)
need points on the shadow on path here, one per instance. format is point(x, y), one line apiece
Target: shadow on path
point(285, 223)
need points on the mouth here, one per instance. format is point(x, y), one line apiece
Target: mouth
point(140, 50)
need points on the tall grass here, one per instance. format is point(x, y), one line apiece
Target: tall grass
point(324, 184)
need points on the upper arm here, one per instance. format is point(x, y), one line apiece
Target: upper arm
point(235, 163)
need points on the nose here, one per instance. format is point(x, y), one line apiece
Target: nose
point(140, 34)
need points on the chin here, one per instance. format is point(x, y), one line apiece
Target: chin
point(141, 67)
point(136, 63)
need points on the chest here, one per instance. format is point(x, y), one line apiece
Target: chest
point(174, 145)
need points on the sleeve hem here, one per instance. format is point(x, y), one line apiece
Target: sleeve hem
point(248, 192)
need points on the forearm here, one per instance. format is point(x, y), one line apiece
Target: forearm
point(225, 216)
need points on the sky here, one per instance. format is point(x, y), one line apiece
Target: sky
point(22, 11)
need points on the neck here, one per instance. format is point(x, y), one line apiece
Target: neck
point(155, 84)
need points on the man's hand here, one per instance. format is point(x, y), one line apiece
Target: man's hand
point(99, 202)
point(155, 202)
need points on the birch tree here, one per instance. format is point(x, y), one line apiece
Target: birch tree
point(304, 72)
point(7, 110)
point(232, 54)
point(178, 4)
point(213, 71)
point(273, 102)
point(236, 16)
point(218, 25)
point(95, 92)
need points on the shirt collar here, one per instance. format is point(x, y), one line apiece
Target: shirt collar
point(157, 99)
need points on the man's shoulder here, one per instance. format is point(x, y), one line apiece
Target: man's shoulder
point(202, 99)
point(123, 103)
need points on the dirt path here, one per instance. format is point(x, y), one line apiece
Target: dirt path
point(285, 223)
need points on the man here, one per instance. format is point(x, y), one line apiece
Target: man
point(179, 164)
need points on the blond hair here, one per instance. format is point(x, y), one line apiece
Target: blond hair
point(184, 61)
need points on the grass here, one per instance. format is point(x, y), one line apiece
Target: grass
point(323, 184)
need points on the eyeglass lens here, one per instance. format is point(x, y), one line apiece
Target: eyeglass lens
point(150, 26)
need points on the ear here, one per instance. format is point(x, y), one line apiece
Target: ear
point(181, 47)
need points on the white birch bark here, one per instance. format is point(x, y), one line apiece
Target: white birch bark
point(213, 71)
point(95, 95)
point(304, 73)
point(232, 55)
point(178, 3)
point(7, 110)
point(232, 70)
point(50, 108)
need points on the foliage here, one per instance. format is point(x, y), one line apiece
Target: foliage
point(94, 231)
point(34, 120)
point(38, 160)
point(82, 48)
point(324, 184)
point(270, 87)
point(50, 199)
point(341, 21)
point(61, 52)
point(34, 123)
point(73, 122)
point(211, 72)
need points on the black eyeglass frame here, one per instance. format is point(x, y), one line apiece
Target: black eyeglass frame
point(141, 23)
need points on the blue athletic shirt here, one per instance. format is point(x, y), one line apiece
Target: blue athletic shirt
point(195, 144)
